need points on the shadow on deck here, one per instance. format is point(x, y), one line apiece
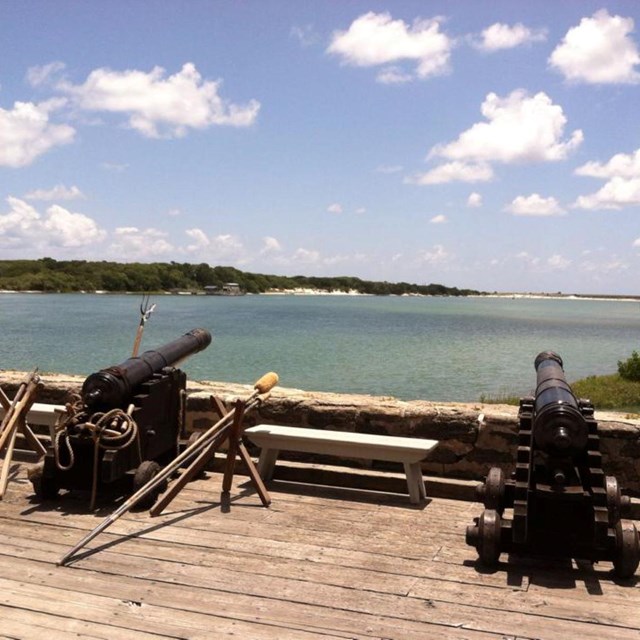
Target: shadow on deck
point(321, 562)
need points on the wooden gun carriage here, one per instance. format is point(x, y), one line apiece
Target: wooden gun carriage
point(561, 502)
point(124, 426)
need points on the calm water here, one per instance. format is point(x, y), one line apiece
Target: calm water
point(429, 348)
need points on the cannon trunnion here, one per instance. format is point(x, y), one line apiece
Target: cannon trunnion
point(124, 426)
point(561, 503)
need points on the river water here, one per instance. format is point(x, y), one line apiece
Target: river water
point(407, 347)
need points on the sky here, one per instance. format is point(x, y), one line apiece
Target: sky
point(492, 145)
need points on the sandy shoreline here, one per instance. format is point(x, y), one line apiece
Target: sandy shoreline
point(353, 292)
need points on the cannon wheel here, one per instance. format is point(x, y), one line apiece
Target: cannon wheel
point(489, 537)
point(193, 437)
point(613, 499)
point(147, 470)
point(617, 504)
point(627, 549)
point(494, 490)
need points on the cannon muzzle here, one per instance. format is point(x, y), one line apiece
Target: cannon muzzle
point(112, 387)
point(558, 424)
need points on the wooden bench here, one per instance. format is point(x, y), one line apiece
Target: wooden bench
point(45, 415)
point(409, 451)
point(40, 413)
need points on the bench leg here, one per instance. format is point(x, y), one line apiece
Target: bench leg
point(415, 482)
point(267, 463)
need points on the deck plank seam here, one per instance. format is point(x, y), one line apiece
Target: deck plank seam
point(430, 602)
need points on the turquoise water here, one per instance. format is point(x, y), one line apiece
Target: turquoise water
point(428, 348)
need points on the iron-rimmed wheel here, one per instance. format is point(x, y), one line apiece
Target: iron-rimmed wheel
point(194, 436)
point(613, 499)
point(147, 470)
point(627, 556)
point(489, 537)
point(494, 490)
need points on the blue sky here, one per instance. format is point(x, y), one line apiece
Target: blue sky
point(492, 145)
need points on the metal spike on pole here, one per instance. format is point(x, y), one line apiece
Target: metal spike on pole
point(145, 313)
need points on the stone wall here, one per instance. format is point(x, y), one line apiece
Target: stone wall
point(473, 437)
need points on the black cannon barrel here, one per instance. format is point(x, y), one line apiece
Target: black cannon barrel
point(111, 387)
point(558, 424)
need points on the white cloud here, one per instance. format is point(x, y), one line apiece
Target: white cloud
point(622, 188)
point(601, 260)
point(46, 74)
point(23, 226)
point(333, 260)
point(558, 262)
point(160, 106)
point(271, 245)
point(503, 36)
point(220, 247)
point(615, 194)
point(452, 172)
point(306, 34)
point(474, 200)
point(621, 165)
point(174, 213)
point(611, 264)
point(59, 192)
point(361, 210)
point(67, 229)
point(199, 238)
point(26, 132)
point(535, 205)
point(520, 128)
point(336, 207)
point(393, 75)
point(636, 242)
point(598, 51)
point(272, 252)
point(132, 244)
point(436, 255)
point(439, 219)
point(536, 264)
point(19, 223)
point(376, 39)
point(306, 256)
point(527, 258)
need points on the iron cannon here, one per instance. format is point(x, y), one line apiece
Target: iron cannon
point(124, 425)
point(559, 502)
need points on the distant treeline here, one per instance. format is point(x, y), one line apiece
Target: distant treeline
point(49, 275)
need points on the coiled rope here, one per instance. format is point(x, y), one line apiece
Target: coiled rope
point(115, 430)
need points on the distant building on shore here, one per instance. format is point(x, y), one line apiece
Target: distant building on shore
point(227, 289)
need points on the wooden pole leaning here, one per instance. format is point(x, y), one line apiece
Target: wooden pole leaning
point(206, 440)
point(232, 434)
point(15, 420)
point(27, 432)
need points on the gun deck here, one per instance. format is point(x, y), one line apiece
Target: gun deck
point(321, 562)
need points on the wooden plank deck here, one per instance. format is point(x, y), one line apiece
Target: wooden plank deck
point(319, 563)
